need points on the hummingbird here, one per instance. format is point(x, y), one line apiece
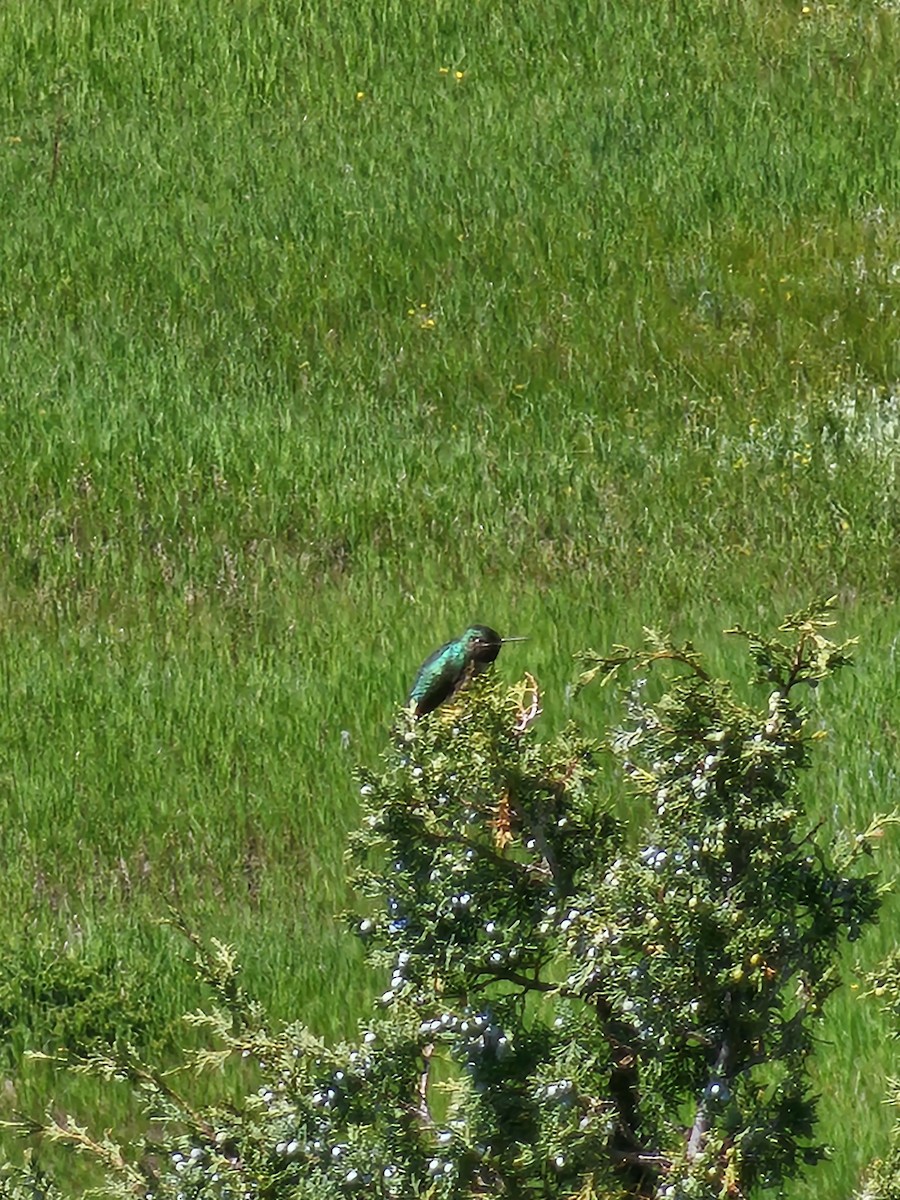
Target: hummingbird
point(451, 666)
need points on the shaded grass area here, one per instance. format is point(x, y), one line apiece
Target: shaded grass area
point(327, 332)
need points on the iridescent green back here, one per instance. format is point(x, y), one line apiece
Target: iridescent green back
point(439, 676)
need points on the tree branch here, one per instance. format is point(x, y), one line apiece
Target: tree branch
point(522, 981)
point(701, 1121)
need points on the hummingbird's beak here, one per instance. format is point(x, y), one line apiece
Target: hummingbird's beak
point(516, 639)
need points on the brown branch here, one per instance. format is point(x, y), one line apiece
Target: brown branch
point(535, 826)
point(684, 659)
point(797, 665)
point(522, 981)
point(511, 865)
point(423, 1112)
point(701, 1121)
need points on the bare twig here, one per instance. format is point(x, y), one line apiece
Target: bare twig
point(528, 713)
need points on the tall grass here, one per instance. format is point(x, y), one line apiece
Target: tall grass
point(327, 329)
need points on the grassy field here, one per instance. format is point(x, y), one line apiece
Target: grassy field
point(325, 330)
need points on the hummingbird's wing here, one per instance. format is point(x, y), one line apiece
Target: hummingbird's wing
point(437, 679)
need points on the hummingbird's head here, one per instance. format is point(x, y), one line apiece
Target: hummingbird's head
point(483, 643)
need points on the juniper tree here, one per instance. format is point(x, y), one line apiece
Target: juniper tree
point(575, 1004)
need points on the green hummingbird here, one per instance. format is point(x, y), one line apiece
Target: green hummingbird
point(451, 667)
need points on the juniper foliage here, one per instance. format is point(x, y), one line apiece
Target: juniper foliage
point(578, 1006)
point(882, 1181)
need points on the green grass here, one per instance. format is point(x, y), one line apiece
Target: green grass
point(328, 329)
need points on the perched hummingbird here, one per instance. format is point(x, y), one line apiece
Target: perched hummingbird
point(451, 667)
